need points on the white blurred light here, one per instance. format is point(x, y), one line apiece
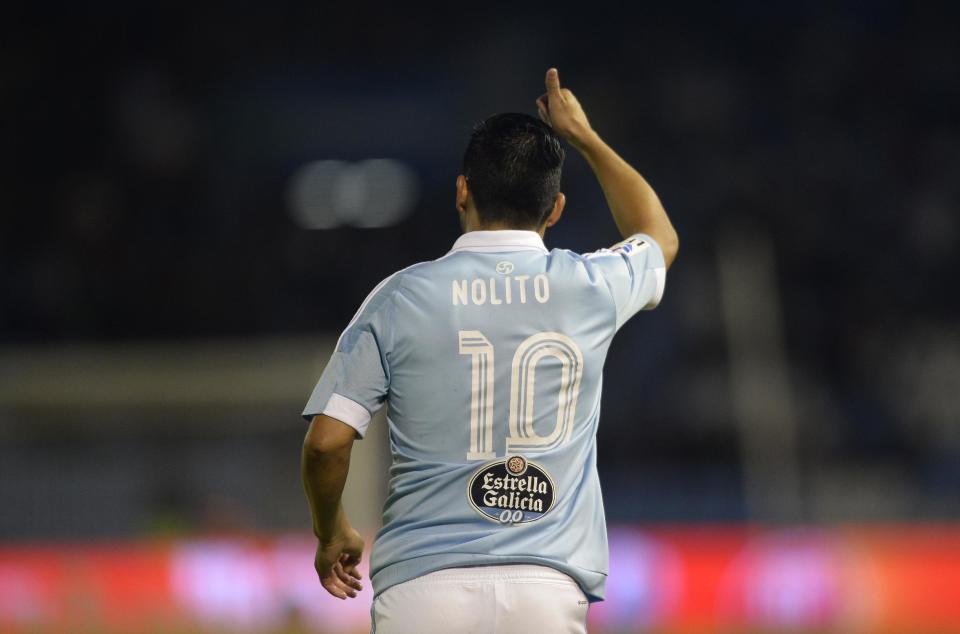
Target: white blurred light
point(311, 191)
point(368, 194)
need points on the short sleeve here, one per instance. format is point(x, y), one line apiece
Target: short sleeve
point(355, 382)
point(634, 271)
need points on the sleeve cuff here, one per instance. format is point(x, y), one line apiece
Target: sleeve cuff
point(349, 412)
point(659, 272)
point(660, 275)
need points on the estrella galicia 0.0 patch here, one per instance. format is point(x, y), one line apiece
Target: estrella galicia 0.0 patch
point(511, 491)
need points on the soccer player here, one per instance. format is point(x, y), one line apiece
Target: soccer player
point(490, 359)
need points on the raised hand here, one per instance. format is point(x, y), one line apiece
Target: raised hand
point(559, 108)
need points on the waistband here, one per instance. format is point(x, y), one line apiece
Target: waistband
point(506, 572)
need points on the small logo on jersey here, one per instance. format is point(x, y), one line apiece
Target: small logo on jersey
point(628, 246)
point(517, 465)
point(511, 491)
point(504, 267)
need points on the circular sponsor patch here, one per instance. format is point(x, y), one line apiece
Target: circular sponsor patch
point(511, 491)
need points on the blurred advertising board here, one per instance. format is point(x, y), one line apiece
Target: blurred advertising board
point(662, 579)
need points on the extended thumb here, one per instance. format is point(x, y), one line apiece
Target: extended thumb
point(553, 81)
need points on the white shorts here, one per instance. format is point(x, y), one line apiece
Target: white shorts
point(483, 600)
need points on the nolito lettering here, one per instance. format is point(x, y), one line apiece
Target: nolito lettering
point(501, 290)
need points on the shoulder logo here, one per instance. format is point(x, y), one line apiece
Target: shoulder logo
point(511, 491)
point(504, 267)
point(629, 246)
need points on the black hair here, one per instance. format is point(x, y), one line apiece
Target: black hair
point(512, 165)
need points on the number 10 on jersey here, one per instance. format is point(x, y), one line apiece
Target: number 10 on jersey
point(523, 438)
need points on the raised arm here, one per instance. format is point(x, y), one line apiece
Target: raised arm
point(633, 203)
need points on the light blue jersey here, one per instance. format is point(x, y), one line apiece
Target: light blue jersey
point(490, 359)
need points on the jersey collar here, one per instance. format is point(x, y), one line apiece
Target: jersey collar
point(503, 240)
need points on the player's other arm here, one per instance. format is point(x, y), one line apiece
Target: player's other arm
point(633, 203)
point(324, 462)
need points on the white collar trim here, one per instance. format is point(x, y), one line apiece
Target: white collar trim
point(503, 240)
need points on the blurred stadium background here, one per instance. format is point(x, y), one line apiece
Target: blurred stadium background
point(195, 200)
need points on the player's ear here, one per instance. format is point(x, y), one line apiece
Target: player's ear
point(557, 211)
point(462, 193)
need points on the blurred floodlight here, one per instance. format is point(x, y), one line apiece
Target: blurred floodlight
point(350, 194)
point(391, 190)
point(311, 194)
point(368, 194)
